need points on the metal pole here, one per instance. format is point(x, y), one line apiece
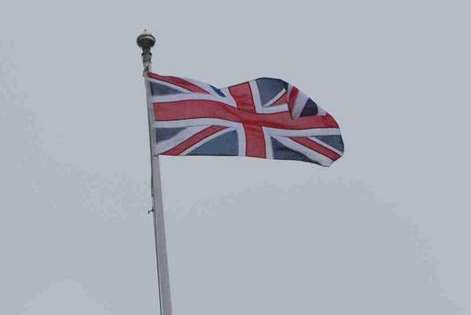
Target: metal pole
point(146, 41)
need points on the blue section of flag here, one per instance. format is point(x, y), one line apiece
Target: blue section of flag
point(160, 89)
point(310, 109)
point(226, 144)
point(282, 152)
point(166, 133)
point(268, 88)
point(334, 141)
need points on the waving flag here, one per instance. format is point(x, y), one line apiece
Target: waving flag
point(264, 118)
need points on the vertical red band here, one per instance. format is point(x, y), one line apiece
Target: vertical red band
point(255, 141)
point(243, 96)
point(292, 98)
point(254, 137)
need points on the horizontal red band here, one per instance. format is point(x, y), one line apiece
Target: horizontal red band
point(193, 109)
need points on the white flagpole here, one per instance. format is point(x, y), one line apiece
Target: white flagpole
point(146, 41)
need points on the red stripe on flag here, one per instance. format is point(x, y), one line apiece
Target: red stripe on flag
point(188, 143)
point(254, 141)
point(243, 96)
point(178, 82)
point(316, 147)
point(283, 99)
point(292, 98)
point(192, 109)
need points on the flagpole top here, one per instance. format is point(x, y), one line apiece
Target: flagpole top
point(146, 41)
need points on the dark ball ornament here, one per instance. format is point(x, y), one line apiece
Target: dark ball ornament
point(146, 40)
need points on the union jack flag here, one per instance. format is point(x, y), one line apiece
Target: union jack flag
point(263, 118)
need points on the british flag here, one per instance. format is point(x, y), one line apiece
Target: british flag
point(264, 118)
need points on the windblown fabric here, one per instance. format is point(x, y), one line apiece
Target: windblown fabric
point(264, 118)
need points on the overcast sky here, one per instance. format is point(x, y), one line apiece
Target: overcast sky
point(385, 230)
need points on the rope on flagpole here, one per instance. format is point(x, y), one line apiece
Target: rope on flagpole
point(146, 41)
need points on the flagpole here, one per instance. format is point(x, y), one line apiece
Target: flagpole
point(146, 41)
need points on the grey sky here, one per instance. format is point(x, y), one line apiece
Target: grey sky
point(383, 231)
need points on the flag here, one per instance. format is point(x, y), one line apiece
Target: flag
point(263, 118)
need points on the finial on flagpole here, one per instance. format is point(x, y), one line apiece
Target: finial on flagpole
point(146, 41)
